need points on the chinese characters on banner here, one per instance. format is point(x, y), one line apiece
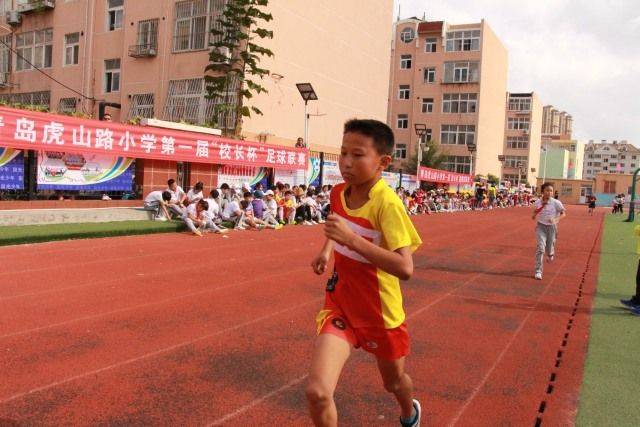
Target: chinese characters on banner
point(48, 132)
point(445, 177)
point(11, 169)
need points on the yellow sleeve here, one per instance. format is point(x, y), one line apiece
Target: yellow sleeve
point(397, 229)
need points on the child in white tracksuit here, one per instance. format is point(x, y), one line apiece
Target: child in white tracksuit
point(547, 211)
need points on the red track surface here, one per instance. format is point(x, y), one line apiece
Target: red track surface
point(177, 330)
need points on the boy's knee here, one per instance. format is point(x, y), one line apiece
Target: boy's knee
point(317, 394)
point(392, 385)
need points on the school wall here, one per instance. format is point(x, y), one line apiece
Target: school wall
point(569, 190)
point(606, 192)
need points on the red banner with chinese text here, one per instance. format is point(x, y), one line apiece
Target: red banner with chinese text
point(31, 130)
point(445, 177)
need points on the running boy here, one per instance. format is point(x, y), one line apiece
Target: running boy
point(548, 211)
point(372, 240)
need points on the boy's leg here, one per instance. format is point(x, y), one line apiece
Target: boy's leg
point(551, 240)
point(330, 353)
point(541, 237)
point(190, 225)
point(397, 381)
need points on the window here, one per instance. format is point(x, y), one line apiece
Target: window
point(141, 106)
point(457, 134)
point(403, 121)
point(405, 62)
point(187, 100)
point(633, 157)
point(404, 92)
point(407, 35)
point(633, 165)
point(459, 164)
point(34, 47)
point(461, 72)
point(458, 41)
point(67, 105)
point(610, 187)
point(71, 48)
point(430, 45)
point(5, 58)
point(401, 151)
point(518, 142)
point(566, 189)
point(519, 104)
point(429, 75)
point(518, 123)
point(112, 75)
point(427, 105)
point(589, 164)
point(459, 102)
point(115, 14)
point(513, 161)
point(148, 34)
point(28, 98)
point(190, 25)
point(5, 6)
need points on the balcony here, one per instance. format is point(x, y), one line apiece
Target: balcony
point(143, 50)
point(25, 6)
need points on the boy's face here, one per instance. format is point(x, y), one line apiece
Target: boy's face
point(359, 160)
point(548, 192)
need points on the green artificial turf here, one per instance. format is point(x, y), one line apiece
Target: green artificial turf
point(610, 394)
point(45, 233)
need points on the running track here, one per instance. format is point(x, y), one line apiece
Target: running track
point(178, 330)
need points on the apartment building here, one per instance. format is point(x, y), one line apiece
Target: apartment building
point(522, 138)
point(149, 56)
point(451, 78)
point(616, 157)
point(556, 124)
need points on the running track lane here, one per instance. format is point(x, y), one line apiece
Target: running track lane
point(106, 345)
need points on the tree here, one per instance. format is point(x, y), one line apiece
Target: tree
point(432, 157)
point(492, 179)
point(234, 60)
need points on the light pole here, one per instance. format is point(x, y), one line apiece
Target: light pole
point(308, 94)
point(520, 165)
point(471, 146)
point(421, 131)
point(501, 159)
point(544, 167)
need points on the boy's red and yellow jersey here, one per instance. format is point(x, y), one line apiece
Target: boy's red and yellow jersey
point(369, 296)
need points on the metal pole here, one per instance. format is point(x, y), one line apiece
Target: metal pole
point(419, 158)
point(544, 169)
point(632, 203)
point(471, 164)
point(306, 139)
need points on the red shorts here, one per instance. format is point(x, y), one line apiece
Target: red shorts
point(390, 344)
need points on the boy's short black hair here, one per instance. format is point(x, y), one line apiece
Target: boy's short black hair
point(214, 194)
point(171, 182)
point(203, 204)
point(166, 196)
point(224, 186)
point(286, 193)
point(247, 194)
point(545, 185)
point(199, 186)
point(379, 132)
point(244, 204)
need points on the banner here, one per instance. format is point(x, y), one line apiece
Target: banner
point(409, 182)
point(331, 173)
point(31, 130)
point(313, 172)
point(445, 177)
point(11, 169)
point(71, 171)
point(236, 176)
point(391, 178)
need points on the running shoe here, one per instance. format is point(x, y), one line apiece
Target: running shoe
point(630, 303)
point(416, 419)
point(636, 311)
point(538, 276)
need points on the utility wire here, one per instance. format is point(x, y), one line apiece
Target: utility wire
point(45, 74)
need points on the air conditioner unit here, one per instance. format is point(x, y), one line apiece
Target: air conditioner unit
point(525, 131)
point(226, 53)
point(14, 17)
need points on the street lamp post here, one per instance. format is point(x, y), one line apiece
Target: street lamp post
point(308, 94)
point(544, 167)
point(421, 131)
point(471, 146)
point(520, 166)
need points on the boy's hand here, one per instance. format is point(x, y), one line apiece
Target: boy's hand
point(319, 263)
point(336, 229)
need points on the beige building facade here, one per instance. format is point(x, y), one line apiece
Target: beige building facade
point(452, 79)
point(556, 124)
point(615, 157)
point(149, 56)
point(522, 138)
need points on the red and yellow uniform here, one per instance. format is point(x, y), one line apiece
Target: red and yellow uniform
point(366, 306)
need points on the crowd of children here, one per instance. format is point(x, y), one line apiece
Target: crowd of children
point(442, 200)
point(240, 208)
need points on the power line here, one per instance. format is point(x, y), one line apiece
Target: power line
point(45, 74)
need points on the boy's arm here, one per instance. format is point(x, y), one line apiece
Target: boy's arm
point(398, 263)
point(164, 209)
point(319, 263)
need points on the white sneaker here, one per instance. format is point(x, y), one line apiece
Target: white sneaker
point(416, 421)
point(307, 223)
point(322, 221)
point(160, 218)
point(538, 276)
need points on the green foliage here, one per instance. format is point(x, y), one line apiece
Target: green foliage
point(433, 157)
point(233, 73)
point(492, 179)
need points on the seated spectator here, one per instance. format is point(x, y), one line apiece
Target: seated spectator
point(225, 195)
point(290, 206)
point(303, 210)
point(157, 202)
point(213, 213)
point(323, 204)
point(233, 213)
point(258, 204)
point(316, 211)
point(178, 197)
point(248, 220)
point(196, 218)
point(271, 210)
point(195, 194)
